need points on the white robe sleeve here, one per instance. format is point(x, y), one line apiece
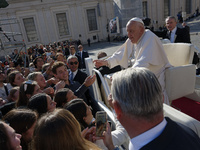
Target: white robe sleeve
point(120, 57)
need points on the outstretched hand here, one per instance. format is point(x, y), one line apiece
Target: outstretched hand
point(89, 80)
point(99, 63)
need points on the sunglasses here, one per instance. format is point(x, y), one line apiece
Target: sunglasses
point(71, 63)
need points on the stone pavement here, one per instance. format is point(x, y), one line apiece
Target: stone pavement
point(107, 47)
point(194, 25)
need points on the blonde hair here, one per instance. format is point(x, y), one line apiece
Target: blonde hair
point(60, 130)
point(33, 75)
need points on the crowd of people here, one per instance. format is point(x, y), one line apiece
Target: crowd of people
point(53, 76)
point(47, 104)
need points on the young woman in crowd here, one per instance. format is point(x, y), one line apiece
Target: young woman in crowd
point(14, 94)
point(63, 96)
point(23, 121)
point(39, 78)
point(82, 112)
point(59, 130)
point(15, 78)
point(9, 140)
point(42, 103)
point(26, 90)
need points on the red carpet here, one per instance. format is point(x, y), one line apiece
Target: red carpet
point(187, 106)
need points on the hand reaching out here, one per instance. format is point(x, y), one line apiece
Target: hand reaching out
point(99, 63)
point(89, 80)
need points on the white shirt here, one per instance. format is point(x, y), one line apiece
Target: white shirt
point(81, 53)
point(141, 140)
point(74, 73)
point(173, 33)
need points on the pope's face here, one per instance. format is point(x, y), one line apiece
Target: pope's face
point(135, 31)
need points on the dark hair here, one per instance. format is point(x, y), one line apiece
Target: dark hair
point(11, 77)
point(21, 120)
point(57, 65)
point(10, 70)
point(78, 108)
point(35, 61)
point(38, 103)
point(12, 93)
point(60, 97)
point(45, 66)
point(59, 53)
point(101, 55)
point(4, 140)
point(23, 99)
point(72, 46)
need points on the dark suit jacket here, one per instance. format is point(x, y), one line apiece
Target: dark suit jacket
point(78, 89)
point(84, 55)
point(175, 136)
point(80, 76)
point(182, 35)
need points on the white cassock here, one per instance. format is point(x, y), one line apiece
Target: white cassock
point(148, 52)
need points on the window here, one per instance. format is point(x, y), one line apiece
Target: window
point(166, 8)
point(92, 22)
point(30, 29)
point(62, 24)
point(188, 6)
point(144, 6)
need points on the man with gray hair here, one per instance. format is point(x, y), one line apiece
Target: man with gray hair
point(174, 33)
point(142, 49)
point(75, 74)
point(138, 103)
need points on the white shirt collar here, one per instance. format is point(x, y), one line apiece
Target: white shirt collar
point(139, 141)
point(74, 73)
point(174, 30)
point(173, 33)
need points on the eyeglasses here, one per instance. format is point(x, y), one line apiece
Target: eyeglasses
point(71, 63)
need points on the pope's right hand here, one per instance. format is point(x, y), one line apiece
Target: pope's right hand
point(99, 63)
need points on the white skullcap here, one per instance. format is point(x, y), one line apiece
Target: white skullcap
point(137, 20)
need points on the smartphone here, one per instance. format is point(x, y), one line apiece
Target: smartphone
point(101, 121)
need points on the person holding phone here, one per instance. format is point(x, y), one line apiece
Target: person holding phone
point(82, 112)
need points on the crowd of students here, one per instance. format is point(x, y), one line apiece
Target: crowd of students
point(47, 103)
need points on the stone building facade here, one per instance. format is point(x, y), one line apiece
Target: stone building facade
point(158, 10)
point(46, 21)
